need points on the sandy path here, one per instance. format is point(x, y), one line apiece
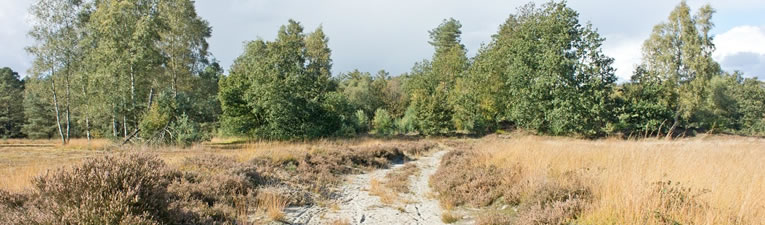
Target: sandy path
point(356, 205)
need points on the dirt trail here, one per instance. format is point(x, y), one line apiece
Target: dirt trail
point(356, 205)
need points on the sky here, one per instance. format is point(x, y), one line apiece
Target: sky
point(371, 35)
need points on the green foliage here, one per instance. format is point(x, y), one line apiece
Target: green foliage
point(186, 131)
point(99, 64)
point(543, 71)
point(163, 125)
point(156, 122)
point(407, 124)
point(678, 59)
point(278, 90)
point(750, 101)
point(431, 83)
point(103, 61)
point(338, 116)
point(357, 86)
point(362, 121)
point(11, 113)
point(38, 110)
point(640, 112)
point(383, 122)
point(734, 105)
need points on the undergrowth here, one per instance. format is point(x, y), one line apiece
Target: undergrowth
point(140, 188)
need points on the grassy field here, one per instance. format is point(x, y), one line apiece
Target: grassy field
point(21, 160)
point(219, 182)
point(700, 180)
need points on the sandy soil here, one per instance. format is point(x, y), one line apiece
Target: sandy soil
point(355, 205)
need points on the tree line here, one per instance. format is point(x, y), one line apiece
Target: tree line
point(140, 70)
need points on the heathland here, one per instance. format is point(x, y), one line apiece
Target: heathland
point(126, 118)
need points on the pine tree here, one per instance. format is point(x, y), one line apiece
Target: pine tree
point(11, 98)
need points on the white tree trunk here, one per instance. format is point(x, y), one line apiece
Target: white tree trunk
point(55, 106)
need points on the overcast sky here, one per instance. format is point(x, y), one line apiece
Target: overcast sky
point(392, 34)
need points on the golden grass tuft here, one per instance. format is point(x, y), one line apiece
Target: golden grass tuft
point(378, 189)
point(398, 179)
point(273, 205)
point(341, 222)
point(448, 217)
point(720, 174)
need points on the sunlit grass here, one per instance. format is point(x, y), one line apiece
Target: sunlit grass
point(23, 159)
point(725, 172)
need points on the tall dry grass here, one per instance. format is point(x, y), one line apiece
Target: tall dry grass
point(23, 159)
point(702, 180)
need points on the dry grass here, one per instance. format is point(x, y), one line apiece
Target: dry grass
point(341, 222)
point(216, 182)
point(23, 159)
point(378, 189)
point(702, 180)
point(495, 218)
point(398, 180)
point(19, 164)
point(395, 182)
point(448, 217)
point(273, 204)
point(80, 143)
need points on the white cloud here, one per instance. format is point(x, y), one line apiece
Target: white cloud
point(626, 54)
point(740, 39)
point(13, 39)
point(742, 48)
point(392, 34)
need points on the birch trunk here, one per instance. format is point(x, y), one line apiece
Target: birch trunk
point(55, 106)
point(132, 95)
point(87, 112)
point(124, 125)
point(68, 100)
point(114, 122)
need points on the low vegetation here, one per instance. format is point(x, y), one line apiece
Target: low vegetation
point(546, 180)
point(398, 180)
point(394, 184)
point(145, 118)
point(204, 187)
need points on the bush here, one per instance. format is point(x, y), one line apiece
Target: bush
point(137, 189)
point(459, 181)
point(407, 123)
point(125, 189)
point(383, 123)
point(186, 131)
point(557, 201)
point(361, 122)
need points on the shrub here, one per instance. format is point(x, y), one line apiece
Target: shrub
point(674, 203)
point(460, 181)
point(557, 201)
point(217, 189)
point(186, 131)
point(383, 123)
point(494, 218)
point(361, 121)
point(124, 189)
point(407, 123)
